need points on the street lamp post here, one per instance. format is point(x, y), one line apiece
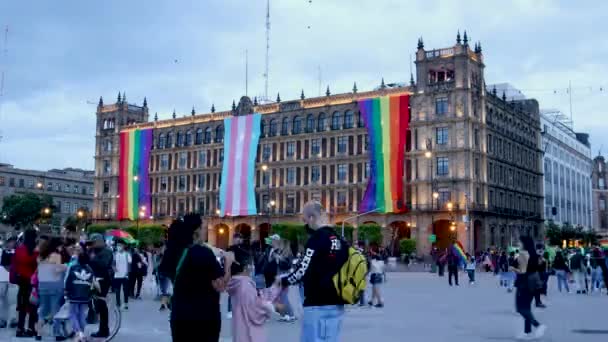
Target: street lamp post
point(356, 216)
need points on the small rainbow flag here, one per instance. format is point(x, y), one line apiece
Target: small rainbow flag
point(458, 250)
point(237, 189)
point(386, 119)
point(133, 182)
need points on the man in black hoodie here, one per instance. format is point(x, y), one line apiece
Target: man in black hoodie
point(324, 255)
point(102, 261)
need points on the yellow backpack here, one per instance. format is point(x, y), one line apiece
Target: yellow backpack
point(350, 280)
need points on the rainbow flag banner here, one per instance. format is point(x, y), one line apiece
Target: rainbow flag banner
point(386, 119)
point(133, 181)
point(458, 250)
point(237, 189)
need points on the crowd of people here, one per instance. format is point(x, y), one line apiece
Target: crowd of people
point(54, 274)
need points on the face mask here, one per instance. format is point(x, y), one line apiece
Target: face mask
point(120, 248)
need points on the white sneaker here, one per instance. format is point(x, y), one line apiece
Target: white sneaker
point(524, 337)
point(540, 331)
point(229, 315)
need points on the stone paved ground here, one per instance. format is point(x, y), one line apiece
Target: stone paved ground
point(421, 307)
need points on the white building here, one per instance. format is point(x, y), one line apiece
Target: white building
point(567, 167)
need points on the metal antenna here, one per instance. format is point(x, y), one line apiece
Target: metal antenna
point(266, 70)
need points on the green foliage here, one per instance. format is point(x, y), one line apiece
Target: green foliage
point(407, 246)
point(23, 210)
point(370, 233)
point(556, 234)
point(348, 232)
point(294, 232)
point(101, 228)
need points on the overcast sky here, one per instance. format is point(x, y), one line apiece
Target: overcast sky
point(62, 55)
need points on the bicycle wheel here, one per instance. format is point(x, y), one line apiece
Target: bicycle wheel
point(114, 318)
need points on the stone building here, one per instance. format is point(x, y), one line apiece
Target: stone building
point(599, 180)
point(317, 148)
point(70, 188)
point(567, 170)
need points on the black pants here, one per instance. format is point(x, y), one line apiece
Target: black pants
point(102, 307)
point(205, 331)
point(124, 284)
point(523, 304)
point(135, 283)
point(605, 274)
point(25, 308)
point(452, 272)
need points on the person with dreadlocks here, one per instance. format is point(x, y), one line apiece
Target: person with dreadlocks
point(198, 280)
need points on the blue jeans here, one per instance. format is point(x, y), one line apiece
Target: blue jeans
point(322, 323)
point(49, 305)
point(562, 280)
point(596, 278)
point(78, 315)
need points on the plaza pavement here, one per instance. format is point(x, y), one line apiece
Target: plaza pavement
point(419, 307)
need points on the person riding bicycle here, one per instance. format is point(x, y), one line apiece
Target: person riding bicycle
point(101, 262)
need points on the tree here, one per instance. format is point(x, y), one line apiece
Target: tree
point(23, 210)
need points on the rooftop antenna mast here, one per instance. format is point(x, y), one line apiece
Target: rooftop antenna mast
point(266, 71)
point(3, 65)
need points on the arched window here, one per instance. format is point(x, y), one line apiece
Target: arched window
point(285, 126)
point(310, 123)
point(219, 134)
point(161, 141)
point(263, 128)
point(360, 122)
point(348, 119)
point(199, 136)
point(272, 129)
point(336, 120)
point(321, 123)
point(180, 139)
point(107, 146)
point(297, 125)
point(169, 140)
point(207, 135)
point(188, 138)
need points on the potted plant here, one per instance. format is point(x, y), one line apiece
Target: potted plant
point(407, 247)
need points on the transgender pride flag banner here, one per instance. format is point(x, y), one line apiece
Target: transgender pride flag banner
point(237, 192)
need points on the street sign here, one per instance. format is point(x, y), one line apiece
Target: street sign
point(432, 238)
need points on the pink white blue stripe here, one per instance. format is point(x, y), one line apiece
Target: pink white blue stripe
point(237, 189)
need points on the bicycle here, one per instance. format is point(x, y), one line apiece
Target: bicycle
point(114, 315)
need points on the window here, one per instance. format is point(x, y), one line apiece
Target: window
point(360, 122)
point(297, 125)
point(49, 186)
point(266, 152)
point(163, 184)
point(181, 183)
point(290, 208)
point(342, 142)
point(366, 142)
point(315, 173)
point(291, 175)
point(291, 146)
point(170, 140)
point(161, 141)
point(182, 160)
point(601, 183)
point(321, 123)
point(219, 134)
point(265, 177)
point(107, 146)
point(106, 187)
point(442, 166)
point(107, 168)
point(180, 139)
point(341, 199)
point(2, 181)
point(11, 182)
point(444, 196)
point(200, 185)
point(348, 119)
point(476, 137)
point(366, 172)
point(188, 138)
point(441, 105)
point(199, 136)
point(66, 188)
point(310, 123)
point(207, 137)
point(442, 135)
point(263, 128)
point(76, 189)
point(602, 204)
point(316, 147)
point(57, 187)
point(285, 126)
point(164, 162)
point(336, 119)
point(272, 129)
point(202, 159)
point(30, 183)
point(221, 155)
point(342, 172)
point(105, 208)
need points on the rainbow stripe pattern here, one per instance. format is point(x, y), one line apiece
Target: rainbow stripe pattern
point(133, 181)
point(237, 189)
point(458, 250)
point(386, 119)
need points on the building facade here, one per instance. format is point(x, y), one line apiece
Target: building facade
point(567, 168)
point(457, 184)
point(70, 189)
point(599, 179)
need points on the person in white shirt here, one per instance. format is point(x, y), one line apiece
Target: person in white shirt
point(376, 279)
point(6, 255)
point(122, 265)
point(470, 267)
